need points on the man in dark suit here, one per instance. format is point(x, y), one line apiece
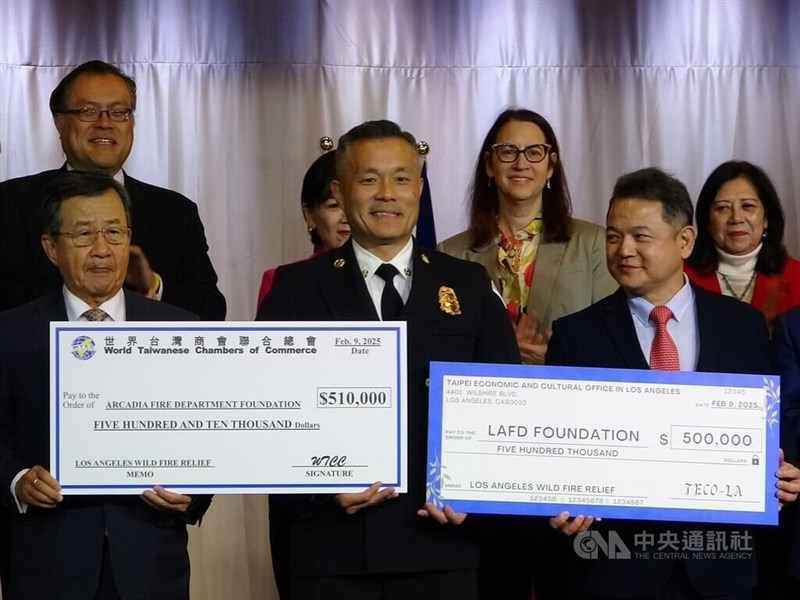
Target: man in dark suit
point(786, 358)
point(649, 233)
point(81, 546)
point(378, 544)
point(93, 110)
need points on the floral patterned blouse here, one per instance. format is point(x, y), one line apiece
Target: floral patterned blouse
point(516, 260)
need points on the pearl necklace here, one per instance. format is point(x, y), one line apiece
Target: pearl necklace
point(744, 293)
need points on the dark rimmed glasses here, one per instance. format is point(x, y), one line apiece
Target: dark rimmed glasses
point(508, 153)
point(90, 114)
point(115, 235)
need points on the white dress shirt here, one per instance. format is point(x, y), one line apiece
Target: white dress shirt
point(368, 263)
point(682, 327)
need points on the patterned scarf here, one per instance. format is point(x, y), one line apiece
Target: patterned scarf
point(516, 259)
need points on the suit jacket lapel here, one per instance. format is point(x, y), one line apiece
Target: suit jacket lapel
point(619, 324)
point(342, 286)
point(135, 309)
point(52, 309)
point(548, 263)
point(708, 330)
point(141, 218)
point(53, 306)
point(424, 286)
point(487, 256)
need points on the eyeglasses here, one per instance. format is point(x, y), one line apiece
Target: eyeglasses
point(90, 114)
point(509, 153)
point(114, 235)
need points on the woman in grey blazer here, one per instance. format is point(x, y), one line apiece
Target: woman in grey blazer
point(544, 263)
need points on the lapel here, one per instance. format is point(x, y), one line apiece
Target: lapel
point(51, 308)
point(487, 256)
point(135, 310)
point(710, 331)
point(141, 218)
point(619, 326)
point(342, 286)
point(548, 263)
point(423, 302)
point(545, 273)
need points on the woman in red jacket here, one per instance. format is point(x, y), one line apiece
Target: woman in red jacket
point(739, 250)
point(327, 225)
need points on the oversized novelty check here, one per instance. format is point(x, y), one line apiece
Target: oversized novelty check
point(228, 407)
point(616, 443)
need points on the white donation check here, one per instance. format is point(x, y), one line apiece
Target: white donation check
point(306, 407)
point(614, 443)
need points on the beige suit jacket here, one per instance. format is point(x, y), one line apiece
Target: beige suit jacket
point(569, 276)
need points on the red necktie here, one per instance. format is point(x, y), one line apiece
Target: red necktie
point(663, 352)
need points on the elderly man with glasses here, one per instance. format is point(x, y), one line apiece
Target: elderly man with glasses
point(102, 547)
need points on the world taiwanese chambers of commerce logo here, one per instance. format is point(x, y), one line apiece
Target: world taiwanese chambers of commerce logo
point(83, 347)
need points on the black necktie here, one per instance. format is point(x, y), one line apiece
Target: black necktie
point(391, 302)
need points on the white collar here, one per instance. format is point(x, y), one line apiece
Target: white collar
point(368, 263)
point(680, 302)
point(114, 306)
